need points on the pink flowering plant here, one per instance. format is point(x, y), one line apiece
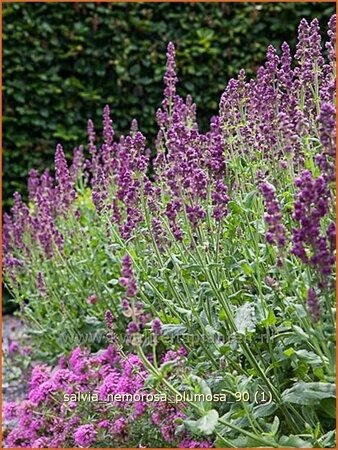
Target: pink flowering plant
point(99, 400)
point(211, 262)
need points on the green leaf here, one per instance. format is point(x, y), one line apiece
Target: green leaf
point(221, 443)
point(166, 367)
point(249, 199)
point(201, 387)
point(173, 330)
point(270, 320)
point(264, 410)
point(289, 352)
point(246, 268)
point(309, 357)
point(207, 424)
point(245, 318)
point(328, 408)
point(275, 426)
point(235, 208)
point(303, 393)
point(185, 312)
point(319, 373)
point(294, 441)
point(328, 440)
point(301, 333)
point(92, 320)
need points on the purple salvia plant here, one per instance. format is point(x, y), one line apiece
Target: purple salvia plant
point(170, 79)
point(128, 280)
point(156, 326)
point(220, 200)
point(311, 206)
point(64, 184)
point(76, 169)
point(313, 305)
point(108, 136)
point(33, 183)
point(40, 284)
point(326, 160)
point(276, 233)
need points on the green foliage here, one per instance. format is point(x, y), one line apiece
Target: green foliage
point(63, 62)
point(309, 393)
point(206, 424)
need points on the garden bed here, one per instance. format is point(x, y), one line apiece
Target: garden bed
point(187, 299)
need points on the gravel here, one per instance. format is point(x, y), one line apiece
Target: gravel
point(14, 379)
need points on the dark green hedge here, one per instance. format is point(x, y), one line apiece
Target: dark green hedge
point(63, 62)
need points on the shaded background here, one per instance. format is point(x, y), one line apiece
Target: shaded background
point(63, 62)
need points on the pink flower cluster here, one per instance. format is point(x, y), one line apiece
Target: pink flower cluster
point(56, 413)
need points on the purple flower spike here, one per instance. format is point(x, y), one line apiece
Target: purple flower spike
point(109, 319)
point(65, 185)
point(33, 183)
point(91, 137)
point(302, 53)
point(125, 304)
point(331, 44)
point(195, 214)
point(285, 73)
point(276, 233)
point(41, 285)
point(315, 43)
point(326, 160)
point(327, 127)
point(132, 328)
point(310, 207)
point(313, 305)
point(170, 78)
point(156, 327)
point(331, 235)
point(128, 280)
point(108, 132)
point(77, 164)
point(220, 200)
